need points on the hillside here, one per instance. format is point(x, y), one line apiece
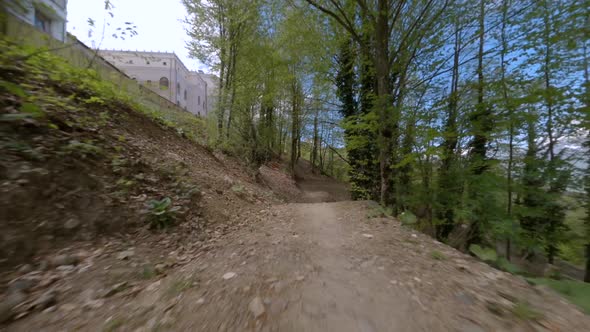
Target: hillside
point(81, 163)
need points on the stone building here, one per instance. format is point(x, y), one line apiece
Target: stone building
point(49, 16)
point(164, 74)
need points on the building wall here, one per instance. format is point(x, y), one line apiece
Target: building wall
point(50, 16)
point(164, 74)
point(212, 90)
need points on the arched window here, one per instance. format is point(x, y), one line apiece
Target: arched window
point(185, 94)
point(164, 83)
point(178, 88)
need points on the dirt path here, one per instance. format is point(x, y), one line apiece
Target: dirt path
point(308, 267)
point(339, 297)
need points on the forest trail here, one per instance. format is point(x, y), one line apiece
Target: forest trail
point(322, 266)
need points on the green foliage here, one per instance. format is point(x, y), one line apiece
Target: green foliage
point(504, 265)
point(84, 149)
point(408, 218)
point(485, 254)
point(161, 213)
point(575, 291)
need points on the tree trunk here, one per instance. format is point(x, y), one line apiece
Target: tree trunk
point(448, 183)
point(383, 98)
point(551, 248)
point(233, 56)
point(586, 99)
point(511, 133)
point(294, 125)
point(314, 152)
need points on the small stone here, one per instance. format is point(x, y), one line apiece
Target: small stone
point(393, 282)
point(21, 285)
point(93, 304)
point(66, 268)
point(368, 236)
point(414, 235)
point(9, 302)
point(61, 260)
point(299, 278)
point(123, 255)
point(72, 223)
point(201, 301)
point(417, 279)
point(48, 281)
point(229, 275)
point(116, 289)
point(68, 307)
point(46, 300)
point(26, 268)
point(256, 307)
point(160, 268)
point(495, 308)
point(50, 309)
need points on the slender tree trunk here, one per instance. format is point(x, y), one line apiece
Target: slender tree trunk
point(511, 133)
point(448, 183)
point(314, 153)
point(233, 55)
point(552, 226)
point(383, 97)
point(586, 99)
point(294, 125)
point(481, 126)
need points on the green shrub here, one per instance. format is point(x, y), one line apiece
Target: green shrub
point(407, 218)
point(161, 213)
point(485, 254)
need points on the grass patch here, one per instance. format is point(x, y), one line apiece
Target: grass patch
point(576, 292)
point(437, 255)
point(524, 311)
point(148, 272)
point(178, 286)
point(113, 324)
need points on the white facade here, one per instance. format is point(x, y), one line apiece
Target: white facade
point(164, 74)
point(212, 90)
point(49, 16)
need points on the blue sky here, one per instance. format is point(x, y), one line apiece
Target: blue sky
point(159, 26)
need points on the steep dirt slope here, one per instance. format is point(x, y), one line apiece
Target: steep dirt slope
point(78, 165)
